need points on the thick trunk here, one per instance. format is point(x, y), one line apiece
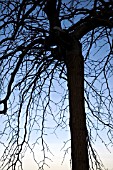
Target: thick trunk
point(75, 74)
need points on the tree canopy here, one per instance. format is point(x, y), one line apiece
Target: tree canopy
point(34, 38)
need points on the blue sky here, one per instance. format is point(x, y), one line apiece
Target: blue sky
point(56, 142)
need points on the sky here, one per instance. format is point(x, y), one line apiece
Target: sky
point(105, 155)
point(56, 160)
point(56, 144)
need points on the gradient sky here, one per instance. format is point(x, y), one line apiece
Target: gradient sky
point(104, 154)
point(56, 143)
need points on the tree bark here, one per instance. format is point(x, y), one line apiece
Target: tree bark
point(75, 75)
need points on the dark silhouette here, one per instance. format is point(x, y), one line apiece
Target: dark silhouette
point(49, 41)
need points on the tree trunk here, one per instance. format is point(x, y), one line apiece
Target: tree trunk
point(75, 74)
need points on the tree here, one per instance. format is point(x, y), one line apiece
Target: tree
point(48, 42)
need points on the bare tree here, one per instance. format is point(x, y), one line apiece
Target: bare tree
point(44, 46)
